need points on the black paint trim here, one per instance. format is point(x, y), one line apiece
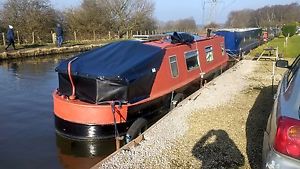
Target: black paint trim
point(83, 131)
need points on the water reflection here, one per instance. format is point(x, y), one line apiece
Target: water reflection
point(81, 154)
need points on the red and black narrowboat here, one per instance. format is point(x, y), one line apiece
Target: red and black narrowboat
point(115, 89)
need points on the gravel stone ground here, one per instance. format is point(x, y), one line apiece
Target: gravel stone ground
point(219, 126)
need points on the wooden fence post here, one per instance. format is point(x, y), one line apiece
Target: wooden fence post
point(53, 36)
point(75, 36)
point(109, 36)
point(94, 35)
point(4, 42)
point(18, 37)
point(33, 40)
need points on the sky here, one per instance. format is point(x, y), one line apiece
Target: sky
point(174, 9)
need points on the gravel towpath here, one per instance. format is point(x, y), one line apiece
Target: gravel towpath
point(219, 126)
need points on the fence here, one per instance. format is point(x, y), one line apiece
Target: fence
point(78, 36)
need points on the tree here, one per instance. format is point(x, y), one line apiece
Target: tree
point(187, 24)
point(90, 17)
point(129, 15)
point(265, 17)
point(240, 19)
point(212, 25)
point(289, 30)
point(29, 16)
point(118, 16)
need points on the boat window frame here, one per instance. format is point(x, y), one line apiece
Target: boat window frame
point(176, 61)
point(197, 56)
point(212, 51)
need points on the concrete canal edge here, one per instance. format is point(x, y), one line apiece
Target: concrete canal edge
point(35, 52)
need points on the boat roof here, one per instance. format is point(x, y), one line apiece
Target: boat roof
point(121, 61)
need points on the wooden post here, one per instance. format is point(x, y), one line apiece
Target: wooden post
point(75, 36)
point(33, 40)
point(18, 37)
point(94, 35)
point(109, 36)
point(4, 41)
point(127, 35)
point(53, 36)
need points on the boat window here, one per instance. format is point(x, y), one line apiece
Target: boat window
point(191, 59)
point(209, 53)
point(173, 65)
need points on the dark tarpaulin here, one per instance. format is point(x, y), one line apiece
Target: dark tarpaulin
point(182, 37)
point(123, 71)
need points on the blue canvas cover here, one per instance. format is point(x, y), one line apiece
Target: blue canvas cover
point(123, 71)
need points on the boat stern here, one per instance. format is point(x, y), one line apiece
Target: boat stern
point(75, 118)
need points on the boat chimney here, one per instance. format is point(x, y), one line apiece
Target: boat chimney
point(208, 32)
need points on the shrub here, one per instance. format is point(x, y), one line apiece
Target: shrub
point(289, 29)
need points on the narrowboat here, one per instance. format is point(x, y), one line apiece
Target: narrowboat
point(114, 90)
point(240, 41)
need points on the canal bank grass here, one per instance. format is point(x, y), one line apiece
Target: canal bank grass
point(291, 51)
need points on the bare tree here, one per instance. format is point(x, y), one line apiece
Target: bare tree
point(36, 16)
point(265, 17)
point(129, 15)
point(118, 16)
point(240, 18)
point(89, 18)
point(187, 24)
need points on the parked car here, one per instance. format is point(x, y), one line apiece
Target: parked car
point(281, 147)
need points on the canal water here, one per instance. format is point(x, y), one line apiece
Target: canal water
point(27, 132)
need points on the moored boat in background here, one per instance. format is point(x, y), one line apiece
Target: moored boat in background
point(240, 41)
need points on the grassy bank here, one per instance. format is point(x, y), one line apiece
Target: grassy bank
point(292, 50)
